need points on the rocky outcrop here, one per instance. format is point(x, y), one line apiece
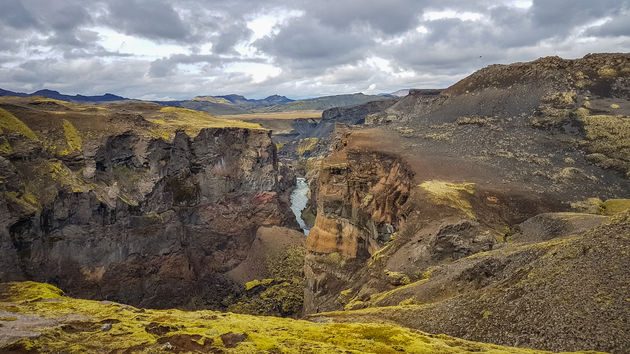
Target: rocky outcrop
point(347, 115)
point(359, 201)
point(136, 218)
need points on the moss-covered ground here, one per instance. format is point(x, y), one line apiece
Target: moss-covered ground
point(93, 326)
point(193, 121)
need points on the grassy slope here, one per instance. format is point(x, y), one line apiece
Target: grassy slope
point(570, 291)
point(77, 327)
point(274, 115)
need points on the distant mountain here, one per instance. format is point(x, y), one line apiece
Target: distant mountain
point(59, 96)
point(237, 104)
point(265, 102)
point(322, 103)
point(11, 93)
point(227, 104)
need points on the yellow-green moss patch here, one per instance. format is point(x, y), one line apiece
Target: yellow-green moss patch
point(193, 121)
point(451, 194)
point(254, 283)
point(73, 138)
point(5, 147)
point(606, 72)
point(10, 122)
point(609, 136)
point(306, 144)
point(615, 206)
point(272, 334)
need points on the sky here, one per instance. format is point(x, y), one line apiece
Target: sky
point(178, 49)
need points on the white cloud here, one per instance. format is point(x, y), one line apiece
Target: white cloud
point(115, 41)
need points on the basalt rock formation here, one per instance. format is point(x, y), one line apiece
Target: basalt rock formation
point(133, 202)
point(464, 212)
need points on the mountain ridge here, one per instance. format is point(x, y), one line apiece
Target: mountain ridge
point(107, 97)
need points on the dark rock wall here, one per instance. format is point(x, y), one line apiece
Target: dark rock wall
point(145, 221)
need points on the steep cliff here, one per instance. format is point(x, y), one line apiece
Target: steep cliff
point(134, 202)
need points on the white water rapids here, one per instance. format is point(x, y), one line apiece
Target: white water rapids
point(298, 202)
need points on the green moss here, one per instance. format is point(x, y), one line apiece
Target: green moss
point(396, 278)
point(5, 147)
point(173, 118)
point(615, 206)
point(606, 72)
point(451, 194)
point(561, 99)
point(589, 205)
point(306, 144)
point(345, 296)
point(407, 302)
point(474, 120)
point(366, 200)
point(333, 258)
point(73, 138)
point(28, 291)
point(20, 200)
point(614, 106)
point(609, 136)
point(280, 295)
point(10, 122)
point(376, 298)
point(254, 283)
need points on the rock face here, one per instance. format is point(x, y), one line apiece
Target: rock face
point(359, 204)
point(347, 115)
point(137, 219)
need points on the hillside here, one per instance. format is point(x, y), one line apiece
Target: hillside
point(38, 317)
point(448, 212)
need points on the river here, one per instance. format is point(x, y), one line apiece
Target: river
point(298, 202)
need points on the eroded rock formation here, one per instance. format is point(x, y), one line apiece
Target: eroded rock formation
point(134, 218)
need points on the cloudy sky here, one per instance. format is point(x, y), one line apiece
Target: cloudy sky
point(155, 49)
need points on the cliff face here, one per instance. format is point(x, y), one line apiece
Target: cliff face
point(359, 200)
point(129, 215)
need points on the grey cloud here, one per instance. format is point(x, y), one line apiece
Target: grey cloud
point(390, 17)
point(562, 16)
point(147, 18)
point(306, 43)
point(167, 66)
point(14, 14)
point(618, 26)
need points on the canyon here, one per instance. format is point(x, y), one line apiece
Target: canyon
point(495, 210)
